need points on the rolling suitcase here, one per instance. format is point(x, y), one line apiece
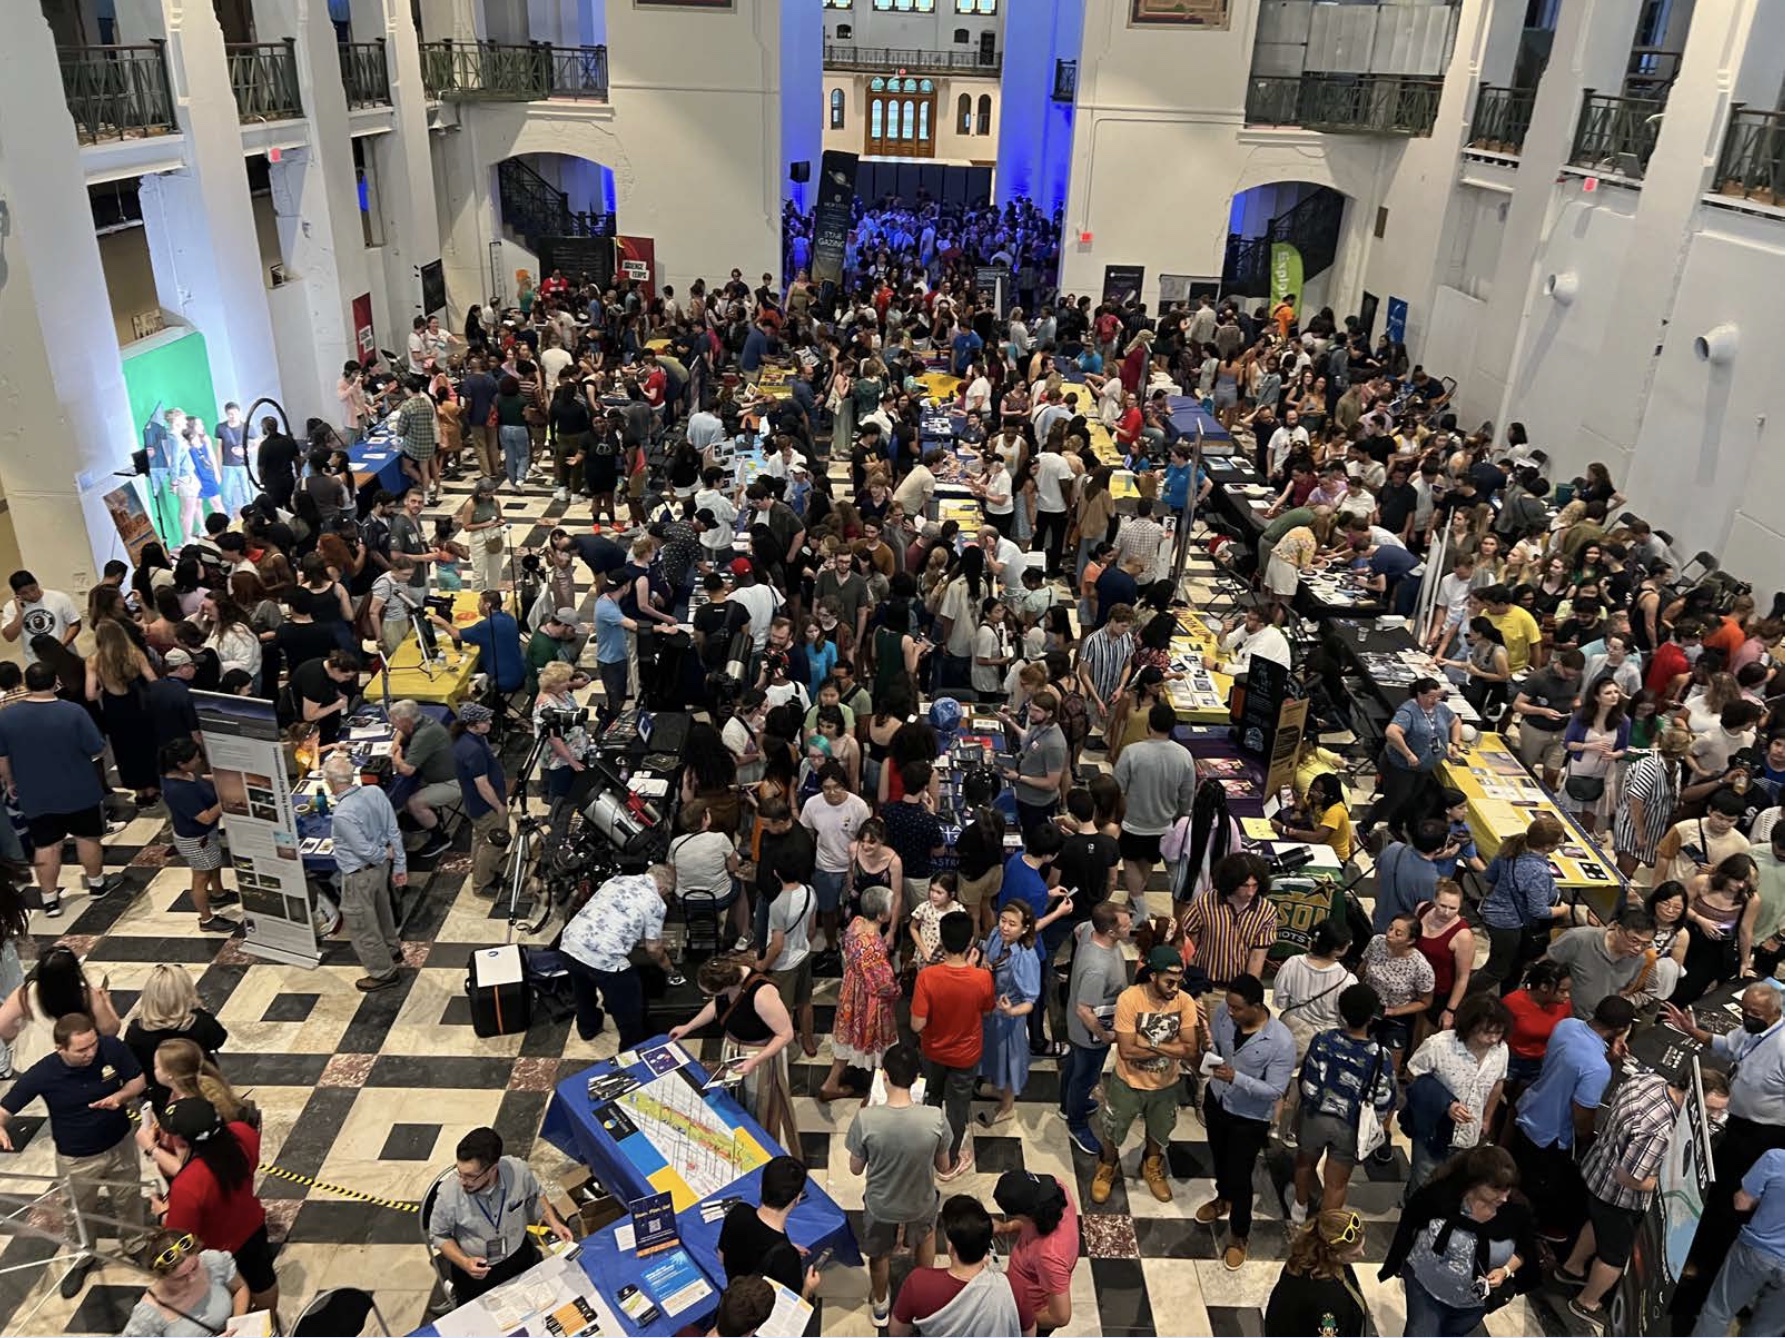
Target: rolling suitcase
point(495, 981)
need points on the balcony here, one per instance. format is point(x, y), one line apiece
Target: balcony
point(1616, 134)
point(1750, 166)
point(886, 59)
point(264, 78)
point(118, 92)
point(364, 74)
point(494, 72)
point(1501, 119)
point(1356, 104)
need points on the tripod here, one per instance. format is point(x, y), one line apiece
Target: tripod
point(527, 833)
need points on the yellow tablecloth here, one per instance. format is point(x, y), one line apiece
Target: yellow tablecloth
point(1202, 698)
point(439, 684)
point(940, 385)
point(1504, 798)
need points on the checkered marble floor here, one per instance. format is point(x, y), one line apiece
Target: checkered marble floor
point(371, 1092)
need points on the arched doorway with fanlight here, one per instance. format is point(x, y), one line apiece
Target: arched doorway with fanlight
point(901, 117)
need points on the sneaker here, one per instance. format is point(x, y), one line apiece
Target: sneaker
point(743, 944)
point(1212, 1212)
point(76, 1277)
point(1085, 1140)
point(1298, 1211)
point(219, 899)
point(1103, 1180)
point(1234, 1256)
point(106, 887)
point(218, 924)
point(52, 907)
point(880, 1312)
point(1564, 1278)
point(437, 844)
point(561, 494)
point(1594, 1319)
point(367, 984)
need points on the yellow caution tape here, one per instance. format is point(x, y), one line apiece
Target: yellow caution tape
point(398, 1205)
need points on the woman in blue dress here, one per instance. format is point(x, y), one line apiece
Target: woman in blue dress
point(1010, 952)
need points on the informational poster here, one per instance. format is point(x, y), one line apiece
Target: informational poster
point(1640, 1303)
point(1260, 703)
point(1395, 320)
point(1187, 288)
point(993, 283)
point(833, 216)
point(131, 519)
point(364, 342)
point(1286, 747)
point(1286, 274)
point(433, 287)
point(1122, 283)
point(635, 258)
point(241, 740)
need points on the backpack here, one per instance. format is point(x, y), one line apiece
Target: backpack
point(1075, 719)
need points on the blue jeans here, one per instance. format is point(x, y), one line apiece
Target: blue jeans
point(1430, 1317)
point(1748, 1278)
point(1079, 1074)
point(517, 452)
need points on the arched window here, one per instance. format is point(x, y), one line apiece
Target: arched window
point(964, 114)
point(984, 126)
point(927, 6)
point(903, 6)
point(909, 125)
point(961, 37)
point(837, 109)
point(874, 119)
point(924, 121)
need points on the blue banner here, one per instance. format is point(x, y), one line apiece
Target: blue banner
point(1395, 322)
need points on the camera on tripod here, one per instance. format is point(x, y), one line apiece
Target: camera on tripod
point(556, 721)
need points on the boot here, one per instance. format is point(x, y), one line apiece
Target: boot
point(1153, 1170)
point(1103, 1180)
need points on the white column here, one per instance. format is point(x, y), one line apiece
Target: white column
point(1591, 49)
point(802, 97)
point(66, 425)
point(200, 221)
point(409, 217)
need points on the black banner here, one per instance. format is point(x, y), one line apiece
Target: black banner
point(433, 287)
point(1122, 283)
point(832, 215)
point(1267, 683)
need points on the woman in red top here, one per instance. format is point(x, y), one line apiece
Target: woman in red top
point(1446, 941)
point(1537, 1008)
point(212, 1194)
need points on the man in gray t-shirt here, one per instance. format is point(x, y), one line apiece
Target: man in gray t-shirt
point(1041, 761)
point(481, 1215)
point(1099, 974)
point(1602, 962)
point(901, 1146)
point(1158, 781)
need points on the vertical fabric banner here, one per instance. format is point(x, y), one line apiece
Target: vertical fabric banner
point(833, 215)
point(365, 343)
point(241, 739)
point(1395, 322)
point(1286, 274)
point(636, 259)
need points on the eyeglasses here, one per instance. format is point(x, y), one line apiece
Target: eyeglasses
point(1351, 1231)
point(174, 1253)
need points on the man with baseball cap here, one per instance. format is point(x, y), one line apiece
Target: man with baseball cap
point(611, 627)
point(559, 637)
point(485, 793)
point(758, 600)
point(1156, 1024)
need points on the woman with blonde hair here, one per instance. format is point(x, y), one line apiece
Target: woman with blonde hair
point(182, 1069)
point(1317, 1292)
point(1295, 553)
point(567, 749)
point(758, 1029)
point(118, 678)
point(169, 1010)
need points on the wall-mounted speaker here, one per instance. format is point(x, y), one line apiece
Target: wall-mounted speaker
point(800, 171)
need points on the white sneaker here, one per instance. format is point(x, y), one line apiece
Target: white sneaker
point(561, 495)
point(1298, 1211)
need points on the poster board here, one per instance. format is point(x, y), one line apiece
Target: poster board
point(1261, 702)
point(247, 759)
point(365, 341)
point(433, 287)
point(1122, 283)
point(636, 259)
point(1187, 288)
point(130, 518)
point(1286, 746)
point(833, 215)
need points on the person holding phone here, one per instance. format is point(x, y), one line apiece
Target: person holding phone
point(481, 1215)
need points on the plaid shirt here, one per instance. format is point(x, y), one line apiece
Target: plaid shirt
point(415, 421)
point(1225, 938)
point(1634, 1139)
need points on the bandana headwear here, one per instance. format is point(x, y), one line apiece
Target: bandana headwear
point(473, 714)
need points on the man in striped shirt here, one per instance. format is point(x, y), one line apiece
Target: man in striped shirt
point(1234, 923)
point(1620, 1172)
point(1102, 657)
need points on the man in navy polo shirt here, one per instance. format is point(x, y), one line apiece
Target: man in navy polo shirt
point(498, 638)
point(87, 1085)
point(485, 793)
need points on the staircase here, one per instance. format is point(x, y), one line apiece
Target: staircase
point(533, 208)
point(1311, 226)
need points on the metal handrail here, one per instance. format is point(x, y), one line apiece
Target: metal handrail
point(503, 72)
point(848, 56)
point(365, 75)
point(535, 208)
point(1501, 119)
point(118, 92)
point(1616, 134)
point(264, 78)
point(1374, 104)
point(1753, 161)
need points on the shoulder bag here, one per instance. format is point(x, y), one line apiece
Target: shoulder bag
point(1371, 1133)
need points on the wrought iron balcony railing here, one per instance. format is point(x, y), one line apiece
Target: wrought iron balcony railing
point(118, 92)
point(1751, 164)
point(1616, 134)
point(849, 56)
point(365, 75)
point(1502, 118)
point(264, 76)
point(1367, 104)
point(497, 72)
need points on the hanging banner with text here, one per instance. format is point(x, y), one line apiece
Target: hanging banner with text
point(1122, 283)
point(635, 258)
point(1395, 320)
point(241, 741)
point(1286, 274)
point(833, 215)
point(365, 344)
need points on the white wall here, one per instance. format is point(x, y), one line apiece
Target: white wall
point(129, 278)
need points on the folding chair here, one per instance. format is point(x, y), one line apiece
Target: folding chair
point(337, 1312)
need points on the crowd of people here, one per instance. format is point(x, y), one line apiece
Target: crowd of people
point(980, 925)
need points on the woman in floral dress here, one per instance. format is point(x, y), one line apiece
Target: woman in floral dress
point(865, 1026)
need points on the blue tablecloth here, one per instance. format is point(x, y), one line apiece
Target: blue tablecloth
point(610, 1268)
point(321, 825)
point(379, 457)
point(1188, 415)
point(571, 1126)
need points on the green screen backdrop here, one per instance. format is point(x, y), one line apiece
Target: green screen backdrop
point(175, 374)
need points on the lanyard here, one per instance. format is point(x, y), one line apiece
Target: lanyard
point(494, 1219)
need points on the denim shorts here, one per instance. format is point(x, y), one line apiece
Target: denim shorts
point(827, 888)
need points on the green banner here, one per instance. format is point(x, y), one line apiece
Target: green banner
point(1286, 274)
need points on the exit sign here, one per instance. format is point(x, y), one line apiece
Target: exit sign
point(1589, 185)
point(1085, 239)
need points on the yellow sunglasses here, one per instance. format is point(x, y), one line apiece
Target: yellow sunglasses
point(1353, 1229)
point(174, 1253)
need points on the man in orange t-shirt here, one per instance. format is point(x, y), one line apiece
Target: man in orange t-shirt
point(949, 1003)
